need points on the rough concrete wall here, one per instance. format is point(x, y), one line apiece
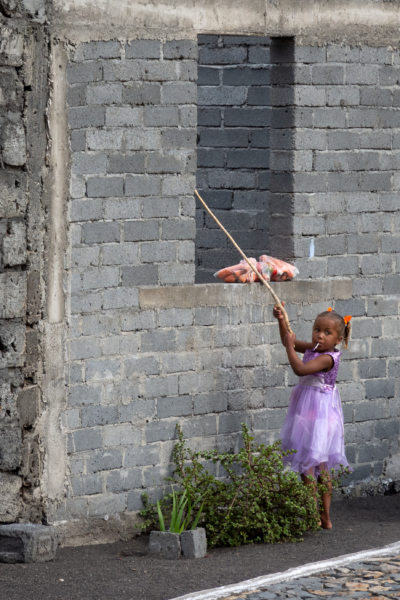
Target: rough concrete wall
point(23, 98)
point(338, 165)
point(233, 158)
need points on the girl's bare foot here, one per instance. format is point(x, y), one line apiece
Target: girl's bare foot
point(326, 523)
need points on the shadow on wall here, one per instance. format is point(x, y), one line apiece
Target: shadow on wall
point(245, 148)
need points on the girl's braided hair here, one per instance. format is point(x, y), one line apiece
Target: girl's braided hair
point(344, 328)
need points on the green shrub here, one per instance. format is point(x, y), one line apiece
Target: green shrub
point(257, 500)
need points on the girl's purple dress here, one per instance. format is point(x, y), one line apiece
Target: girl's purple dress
point(314, 421)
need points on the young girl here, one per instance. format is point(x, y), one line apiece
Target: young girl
point(314, 421)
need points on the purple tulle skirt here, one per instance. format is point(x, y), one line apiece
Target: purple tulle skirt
point(314, 428)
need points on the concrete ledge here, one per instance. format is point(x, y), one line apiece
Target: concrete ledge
point(27, 542)
point(236, 294)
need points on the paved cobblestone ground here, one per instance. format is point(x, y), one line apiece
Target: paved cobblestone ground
point(377, 578)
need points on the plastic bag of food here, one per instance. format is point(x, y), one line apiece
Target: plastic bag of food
point(281, 270)
point(270, 268)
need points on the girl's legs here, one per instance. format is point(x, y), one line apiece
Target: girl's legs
point(308, 478)
point(326, 496)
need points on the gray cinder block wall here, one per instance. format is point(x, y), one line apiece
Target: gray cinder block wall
point(147, 348)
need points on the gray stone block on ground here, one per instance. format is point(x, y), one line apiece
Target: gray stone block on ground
point(27, 542)
point(194, 543)
point(165, 543)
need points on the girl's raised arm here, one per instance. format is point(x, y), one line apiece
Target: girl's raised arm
point(298, 345)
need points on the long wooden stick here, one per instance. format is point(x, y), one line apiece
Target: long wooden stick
point(252, 267)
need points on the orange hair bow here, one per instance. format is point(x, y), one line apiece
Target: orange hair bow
point(329, 309)
point(346, 319)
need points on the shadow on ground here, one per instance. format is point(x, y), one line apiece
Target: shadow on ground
point(124, 571)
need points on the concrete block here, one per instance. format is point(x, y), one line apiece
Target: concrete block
point(78, 140)
point(12, 343)
point(222, 95)
point(14, 245)
point(362, 74)
point(178, 138)
point(174, 407)
point(208, 76)
point(120, 208)
point(104, 460)
point(27, 542)
point(141, 275)
point(179, 93)
point(208, 158)
point(372, 368)
point(259, 55)
point(128, 70)
point(13, 194)
point(179, 49)
point(222, 56)
point(76, 95)
point(143, 185)
point(346, 95)
point(142, 139)
point(141, 364)
point(141, 93)
point(86, 116)
point(124, 480)
point(99, 415)
point(140, 230)
point(331, 118)
point(105, 187)
point(247, 159)
point(327, 74)
point(158, 252)
point(12, 295)
point(186, 70)
point(11, 498)
point(143, 49)
point(343, 140)
point(375, 96)
point(87, 485)
point(127, 163)
point(105, 139)
point(123, 116)
point(209, 117)
point(84, 72)
point(389, 75)
point(28, 404)
point(110, 93)
point(342, 53)
point(194, 543)
point(159, 71)
point(12, 46)
point(106, 504)
point(248, 117)
point(165, 544)
point(100, 49)
point(310, 54)
point(100, 232)
point(166, 163)
point(156, 116)
point(87, 164)
point(86, 347)
point(86, 210)
point(13, 143)
point(87, 439)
